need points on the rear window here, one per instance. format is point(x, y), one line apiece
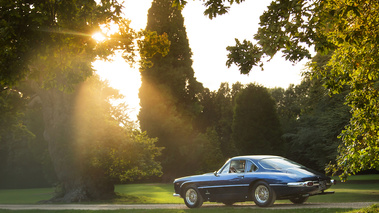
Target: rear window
point(278, 163)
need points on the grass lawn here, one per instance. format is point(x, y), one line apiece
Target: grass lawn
point(201, 210)
point(362, 188)
point(25, 196)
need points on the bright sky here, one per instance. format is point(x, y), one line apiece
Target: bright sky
point(208, 41)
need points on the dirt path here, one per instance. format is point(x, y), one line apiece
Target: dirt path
point(177, 206)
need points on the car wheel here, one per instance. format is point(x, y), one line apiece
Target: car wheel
point(192, 197)
point(298, 200)
point(263, 195)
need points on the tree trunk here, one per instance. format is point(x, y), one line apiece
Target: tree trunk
point(76, 182)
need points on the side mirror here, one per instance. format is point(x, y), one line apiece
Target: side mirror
point(215, 173)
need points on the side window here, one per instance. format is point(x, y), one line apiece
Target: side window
point(237, 166)
point(251, 167)
point(225, 170)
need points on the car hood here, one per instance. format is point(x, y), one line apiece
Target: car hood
point(194, 177)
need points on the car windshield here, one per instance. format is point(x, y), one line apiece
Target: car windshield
point(278, 163)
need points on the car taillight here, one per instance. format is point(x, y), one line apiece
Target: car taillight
point(310, 183)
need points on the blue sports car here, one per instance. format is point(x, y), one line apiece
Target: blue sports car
point(262, 179)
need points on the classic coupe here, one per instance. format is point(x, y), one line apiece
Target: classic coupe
point(262, 179)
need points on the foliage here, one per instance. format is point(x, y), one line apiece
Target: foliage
point(168, 92)
point(152, 44)
point(354, 64)
point(217, 115)
point(256, 127)
point(371, 209)
point(311, 120)
point(103, 146)
point(49, 44)
point(24, 158)
point(100, 147)
point(349, 29)
point(210, 148)
point(51, 40)
point(245, 55)
point(213, 7)
point(132, 158)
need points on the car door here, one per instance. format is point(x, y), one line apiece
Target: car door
point(229, 183)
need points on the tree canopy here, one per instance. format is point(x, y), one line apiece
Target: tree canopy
point(347, 28)
point(48, 45)
point(256, 127)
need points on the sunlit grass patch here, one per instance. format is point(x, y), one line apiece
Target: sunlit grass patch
point(157, 193)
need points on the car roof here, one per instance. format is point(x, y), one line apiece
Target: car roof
point(255, 157)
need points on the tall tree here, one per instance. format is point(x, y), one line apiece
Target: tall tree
point(256, 127)
point(49, 44)
point(168, 94)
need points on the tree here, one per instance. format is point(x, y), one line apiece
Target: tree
point(99, 151)
point(49, 44)
point(104, 151)
point(217, 115)
point(354, 64)
point(312, 136)
point(256, 127)
point(25, 162)
point(350, 30)
point(168, 93)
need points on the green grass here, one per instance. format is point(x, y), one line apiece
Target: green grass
point(344, 192)
point(201, 210)
point(360, 188)
point(152, 193)
point(363, 188)
point(25, 196)
point(361, 178)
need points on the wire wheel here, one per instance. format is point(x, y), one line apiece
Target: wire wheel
point(192, 198)
point(263, 195)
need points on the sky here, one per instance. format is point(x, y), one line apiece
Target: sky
point(208, 40)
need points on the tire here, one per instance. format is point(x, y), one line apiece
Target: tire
point(299, 200)
point(192, 197)
point(263, 195)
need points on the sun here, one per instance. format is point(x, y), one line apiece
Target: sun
point(99, 37)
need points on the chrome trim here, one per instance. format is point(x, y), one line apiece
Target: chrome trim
point(185, 182)
point(303, 184)
point(278, 184)
point(223, 186)
point(176, 195)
